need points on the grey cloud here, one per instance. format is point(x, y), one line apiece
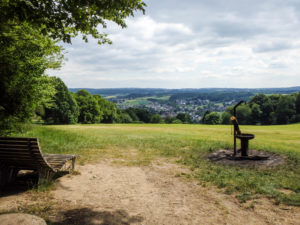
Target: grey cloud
point(272, 47)
point(222, 34)
point(236, 29)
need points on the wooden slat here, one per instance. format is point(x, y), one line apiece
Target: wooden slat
point(18, 146)
point(11, 142)
point(19, 151)
point(18, 138)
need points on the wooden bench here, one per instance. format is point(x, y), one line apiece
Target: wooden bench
point(25, 154)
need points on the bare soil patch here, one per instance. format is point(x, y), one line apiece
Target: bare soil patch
point(256, 158)
point(106, 193)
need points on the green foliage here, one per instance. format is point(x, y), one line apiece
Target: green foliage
point(212, 118)
point(132, 114)
point(109, 110)
point(176, 121)
point(297, 104)
point(267, 110)
point(184, 117)
point(64, 19)
point(256, 113)
point(125, 118)
point(243, 114)
point(156, 118)
point(143, 115)
point(169, 119)
point(226, 118)
point(28, 31)
point(64, 109)
point(89, 111)
point(25, 54)
point(286, 110)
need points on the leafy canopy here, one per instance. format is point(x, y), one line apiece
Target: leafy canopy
point(64, 19)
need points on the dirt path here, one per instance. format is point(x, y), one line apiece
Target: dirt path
point(106, 194)
point(110, 194)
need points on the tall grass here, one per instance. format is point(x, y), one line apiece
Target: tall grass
point(139, 144)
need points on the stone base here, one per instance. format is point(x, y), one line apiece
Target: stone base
point(255, 158)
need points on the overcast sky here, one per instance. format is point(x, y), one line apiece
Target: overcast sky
point(194, 44)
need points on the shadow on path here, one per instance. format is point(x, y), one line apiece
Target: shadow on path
point(24, 182)
point(87, 216)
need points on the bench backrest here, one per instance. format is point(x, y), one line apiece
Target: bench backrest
point(22, 153)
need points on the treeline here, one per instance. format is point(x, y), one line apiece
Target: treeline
point(66, 107)
point(262, 110)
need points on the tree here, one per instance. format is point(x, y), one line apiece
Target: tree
point(226, 118)
point(125, 118)
point(64, 109)
point(212, 118)
point(256, 113)
point(176, 121)
point(64, 19)
point(25, 54)
point(132, 114)
point(156, 118)
point(286, 109)
point(243, 113)
point(297, 104)
point(28, 31)
point(258, 99)
point(89, 111)
point(109, 110)
point(143, 115)
point(185, 118)
point(267, 115)
point(169, 119)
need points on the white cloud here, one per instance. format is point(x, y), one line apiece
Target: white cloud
point(194, 44)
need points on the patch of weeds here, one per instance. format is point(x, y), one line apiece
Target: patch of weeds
point(229, 190)
point(251, 206)
point(291, 199)
point(42, 209)
point(244, 197)
point(177, 175)
point(45, 185)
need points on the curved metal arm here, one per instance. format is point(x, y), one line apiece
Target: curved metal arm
point(234, 108)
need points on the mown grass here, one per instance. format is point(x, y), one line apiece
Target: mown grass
point(139, 144)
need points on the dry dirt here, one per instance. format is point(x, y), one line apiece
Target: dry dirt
point(104, 193)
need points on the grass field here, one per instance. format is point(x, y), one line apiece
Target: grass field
point(139, 144)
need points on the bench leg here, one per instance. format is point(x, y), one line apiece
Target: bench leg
point(45, 175)
point(73, 164)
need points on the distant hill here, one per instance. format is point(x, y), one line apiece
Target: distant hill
point(160, 91)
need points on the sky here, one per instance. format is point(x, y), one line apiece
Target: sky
point(193, 44)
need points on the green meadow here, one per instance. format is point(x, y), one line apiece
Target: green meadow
point(187, 145)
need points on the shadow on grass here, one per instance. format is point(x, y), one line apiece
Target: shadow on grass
point(24, 182)
point(87, 216)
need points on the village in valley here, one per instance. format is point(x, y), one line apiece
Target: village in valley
point(195, 108)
